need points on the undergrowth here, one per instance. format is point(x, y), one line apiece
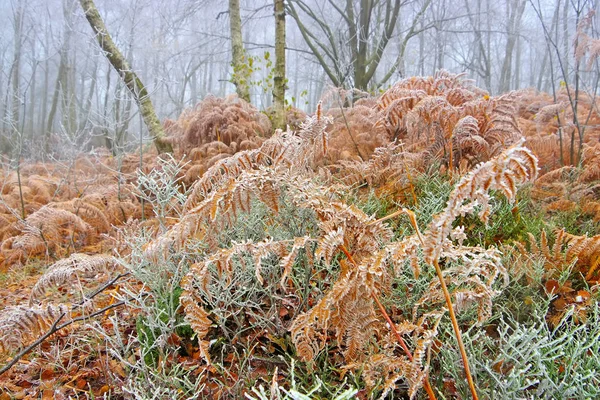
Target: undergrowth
point(254, 271)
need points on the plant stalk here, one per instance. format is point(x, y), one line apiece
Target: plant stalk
point(426, 384)
point(461, 346)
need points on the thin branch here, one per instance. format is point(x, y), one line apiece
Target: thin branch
point(55, 328)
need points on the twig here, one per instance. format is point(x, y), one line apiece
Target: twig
point(101, 288)
point(53, 329)
point(27, 349)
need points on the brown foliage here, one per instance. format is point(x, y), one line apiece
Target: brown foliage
point(227, 120)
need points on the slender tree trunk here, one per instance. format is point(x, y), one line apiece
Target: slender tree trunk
point(548, 52)
point(4, 103)
point(194, 89)
point(54, 104)
point(44, 102)
point(515, 13)
point(16, 70)
point(130, 78)
point(517, 82)
point(566, 41)
point(422, 51)
point(279, 81)
point(67, 81)
point(32, 97)
point(240, 80)
point(90, 98)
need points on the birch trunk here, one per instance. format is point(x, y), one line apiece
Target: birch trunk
point(279, 81)
point(237, 50)
point(130, 78)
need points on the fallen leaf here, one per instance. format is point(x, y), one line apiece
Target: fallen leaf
point(552, 286)
point(81, 384)
point(48, 394)
point(104, 389)
point(47, 374)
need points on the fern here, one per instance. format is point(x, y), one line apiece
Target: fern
point(20, 325)
point(347, 312)
point(567, 249)
point(71, 271)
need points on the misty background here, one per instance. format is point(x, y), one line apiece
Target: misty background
point(59, 94)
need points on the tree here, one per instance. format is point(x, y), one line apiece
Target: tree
point(279, 81)
point(351, 56)
point(130, 78)
point(16, 68)
point(237, 51)
point(515, 9)
point(574, 93)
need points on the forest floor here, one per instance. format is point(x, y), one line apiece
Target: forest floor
point(307, 264)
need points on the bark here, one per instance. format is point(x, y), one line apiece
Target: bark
point(16, 69)
point(67, 78)
point(517, 7)
point(548, 53)
point(32, 97)
point(130, 78)
point(54, 104)
point(240, 80)
point(279, 81)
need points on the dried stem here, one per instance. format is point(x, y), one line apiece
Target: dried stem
point(438, 270)
point(426, 384)
point(461, 346)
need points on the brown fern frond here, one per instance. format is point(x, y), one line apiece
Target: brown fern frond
point(229, 120)
point(566, 250)
point(428, 110)
point(49, 229)
point(391, 369)
point(294, 153)
point(71, 271)
point(586, 250)
point(516, 165)
point(353, 289)
point(503, 130)
point(194, 314)
point(19, 325)
point(87, 211)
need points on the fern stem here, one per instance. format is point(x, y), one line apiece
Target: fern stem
point(461, 346)
point(426, 384)
point(411, 215)
point(412, 187)
point(393, 327)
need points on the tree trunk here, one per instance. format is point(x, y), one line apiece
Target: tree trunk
point(54, 104)
point(16, 69)
point(515, 13)
point(130, 78)
point(32, 97)
point(240, 72)
point(279, 81)
point(67, 81)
